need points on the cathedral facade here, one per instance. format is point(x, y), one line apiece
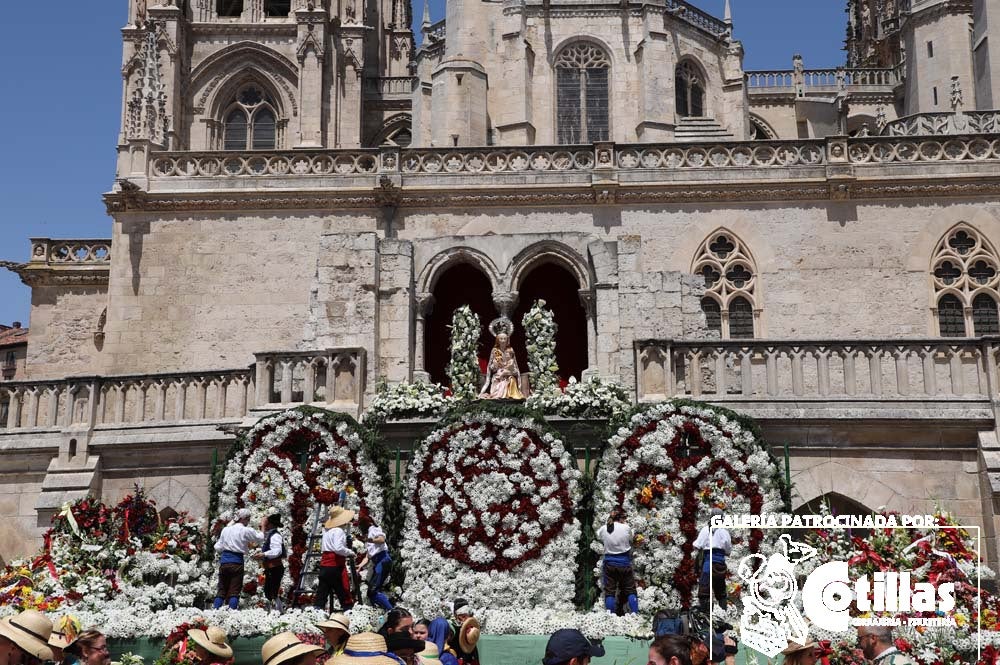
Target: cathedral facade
point(304, 195)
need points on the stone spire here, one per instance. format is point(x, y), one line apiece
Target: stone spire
point(727, 14)
point(425, 24)
point(147, 107)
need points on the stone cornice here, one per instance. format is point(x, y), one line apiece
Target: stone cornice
point(32, 275)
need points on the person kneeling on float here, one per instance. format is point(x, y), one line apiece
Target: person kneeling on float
point(618, 575)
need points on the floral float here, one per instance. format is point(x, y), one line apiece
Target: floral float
point(179, 647)
point(463, 368)
point(289, 463)
point(492, 496)
point(540, 333)
point(594, 399)
point(668, 466)
point(407, 400)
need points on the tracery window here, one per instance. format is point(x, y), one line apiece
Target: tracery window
point(583, 74)
point(229, 7)
point(966, 279)
point(730, 300)
point(250, 123)
point(690, 86)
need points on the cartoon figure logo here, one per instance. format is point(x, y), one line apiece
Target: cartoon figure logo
point(771, 618)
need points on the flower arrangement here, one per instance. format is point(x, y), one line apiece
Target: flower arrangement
point(289, 463)
point(540, 333)
point(407, 400)
point(492, 496)
point(463, 369)
point(668, 465)
point(595, 398)
point(179, 648)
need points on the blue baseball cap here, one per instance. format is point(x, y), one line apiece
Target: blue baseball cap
point(568, 643)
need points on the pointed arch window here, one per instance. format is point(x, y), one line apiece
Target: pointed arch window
point(250, 122)
point(730, 273)
point(690, 86)
point(583, 75)
point(965, 274)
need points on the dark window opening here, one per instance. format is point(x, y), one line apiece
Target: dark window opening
point(713, 314)
point(582, 92)
point(985, 319)
point(740, 319)
point(277, 7)
point(461, 284)
point(951, 316)
point(690, 91)
point(930, 49)
point(935, 97)
point(251, 124)
point(229, 7)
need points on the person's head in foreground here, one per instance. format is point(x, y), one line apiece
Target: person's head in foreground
point(405, 647)
point(336, 629)
point(24, 639)
point(420, 629)
point(287, 649)
point(90, 648)
point(670, 650)
point(210, 645)
point(873, 640)
point(569, 646)
point(800, 654)
point(364, 649)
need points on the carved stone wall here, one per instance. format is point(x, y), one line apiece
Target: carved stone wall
point(64, 319)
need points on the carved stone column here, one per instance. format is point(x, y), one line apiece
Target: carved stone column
point(311, 54)
point(589, 303)
point(505, 302)
point(424, 303)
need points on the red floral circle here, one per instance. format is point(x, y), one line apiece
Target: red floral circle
point(475, 463)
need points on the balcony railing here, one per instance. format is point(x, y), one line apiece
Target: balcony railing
point(70, 252)
point(818, 370)
point(929, 124)
point(387, 87)
point(822, 80)
point(278, 381)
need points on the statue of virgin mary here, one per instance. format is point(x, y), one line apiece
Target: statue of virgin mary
point(502, 374)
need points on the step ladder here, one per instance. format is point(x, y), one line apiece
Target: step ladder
point(309, 576)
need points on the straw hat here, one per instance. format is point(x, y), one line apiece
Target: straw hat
point(430, 655)
point(468, 634)
point(795, 647)
point(285, 646)
point(30, 630)
point(65, 630)
point(338, 517)
point(362, 643)
point(212, 639)
point(338, 621)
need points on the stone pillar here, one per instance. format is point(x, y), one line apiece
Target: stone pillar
point(349, 107)
point(588, 301)
point(514, 119)
point(656, 83)
point(458, 105)
point(311, 53)
point(424, 304)
point(395, 325)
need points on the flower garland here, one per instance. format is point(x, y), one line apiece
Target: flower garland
point(667, 467)
point(407, 400)
point(594, 398)
point(290, 462)
point(540, 333)
point(492, 500)
point(463, 369)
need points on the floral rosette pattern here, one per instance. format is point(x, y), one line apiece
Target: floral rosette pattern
point(491, 516)
point(668, 467)
point(292, 461)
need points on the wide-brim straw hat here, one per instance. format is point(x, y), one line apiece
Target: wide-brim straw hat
point(362, 643)
point(338, 620)
point(29, 630)
point(795, 647)
point(284, 647)
point(213, 639)
point(468, 634)
point(338, 517)
point(430, 654)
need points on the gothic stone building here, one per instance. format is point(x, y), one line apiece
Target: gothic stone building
point(304, 196)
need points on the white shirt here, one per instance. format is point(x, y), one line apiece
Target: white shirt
point(238, 537)
point(617, 542)
point(720, 540)
point(374, 548)
point(335, 540)
point(273, 549)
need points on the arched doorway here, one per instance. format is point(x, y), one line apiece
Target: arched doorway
point(561, 292)
point(837, 504)
point(461, 284)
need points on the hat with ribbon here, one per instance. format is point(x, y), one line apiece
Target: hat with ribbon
point(364, 649)
point(430, 655)
point(338, 517)
point(64, 631)
point(29, 630)
point(468, 634)
point(284, 647)
point(337, 621)
point(795, 647)
point(213, 640)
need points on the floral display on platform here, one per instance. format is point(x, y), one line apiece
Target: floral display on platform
point(491, 503)
point(593, 398)
point(463, 369)
point(407, 400)
point(945, 554)
point(290, 462)
point(95, 553)
point(668, 466)
point(179, 647)
point(540, 333)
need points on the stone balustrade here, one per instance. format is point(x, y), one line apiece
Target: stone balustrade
point(936, 370)
point(698, 18)
point(931, 124)
point(388, 87)
point(821, 80)
point(70, 252)
point(333, 377)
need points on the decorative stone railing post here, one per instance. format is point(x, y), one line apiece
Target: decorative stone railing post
point(200, 397)
point(265, 377)
point(180, 399)
point(33, 395)
point(14, 408)
point(221, 396)
point(423, 305)
point(588, 300)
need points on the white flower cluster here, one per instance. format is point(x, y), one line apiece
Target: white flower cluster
point(595, 625)
point(267, 483)
point(408, 400)
point(657, 522)
point(594, 398)
point(540, 334)
point(463, 370)
point(475, 502)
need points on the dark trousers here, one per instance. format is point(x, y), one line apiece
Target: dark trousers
point(718, 586)
point(619, 587)
point(272, 581)
point(230, 585)
point(333, 578)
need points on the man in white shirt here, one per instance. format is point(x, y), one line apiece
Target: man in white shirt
point(333, 574)
point(233, 546)
point(378, 556)
point(714, 545)
point(272, 558)
point(618, 575)
point(877, 644)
